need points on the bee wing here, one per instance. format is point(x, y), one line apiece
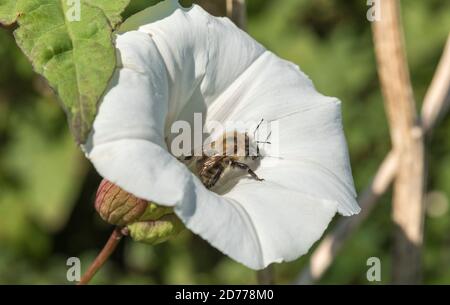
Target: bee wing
point(212, 161)
point(208, 151)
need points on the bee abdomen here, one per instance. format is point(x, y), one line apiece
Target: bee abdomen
point(211, 175)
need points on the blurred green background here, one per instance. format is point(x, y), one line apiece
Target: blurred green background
point(47, 188)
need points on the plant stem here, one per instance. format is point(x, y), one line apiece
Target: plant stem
point(407, 140)
point(103, 256)
point(237, 12)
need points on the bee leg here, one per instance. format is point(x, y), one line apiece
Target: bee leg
point(247, 168)
point(214, 179)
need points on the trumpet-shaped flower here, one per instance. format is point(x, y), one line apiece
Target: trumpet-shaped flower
point(174, 62)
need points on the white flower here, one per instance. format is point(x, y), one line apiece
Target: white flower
point(175, 61)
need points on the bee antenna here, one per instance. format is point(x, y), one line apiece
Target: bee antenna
point(274, 157)
point(268, 136)
point(257, 127)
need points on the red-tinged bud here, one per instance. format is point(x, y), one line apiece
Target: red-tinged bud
point(116, 206)
point(142, 220)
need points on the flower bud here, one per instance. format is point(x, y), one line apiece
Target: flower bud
point(117, 206)
point(144, 221)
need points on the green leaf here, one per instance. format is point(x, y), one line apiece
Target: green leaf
point(8, 11)
point(112, 9)
point(156, 11)
point(76, 57)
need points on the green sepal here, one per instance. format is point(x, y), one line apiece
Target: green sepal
point(155, 231)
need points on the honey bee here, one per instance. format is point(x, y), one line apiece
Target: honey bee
point(224, 154)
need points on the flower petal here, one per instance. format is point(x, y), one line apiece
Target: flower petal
point(127, 145)
point(309, 124)
point(151, 14)
point(258, 226)
point(192, 62)
point(204, 55)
